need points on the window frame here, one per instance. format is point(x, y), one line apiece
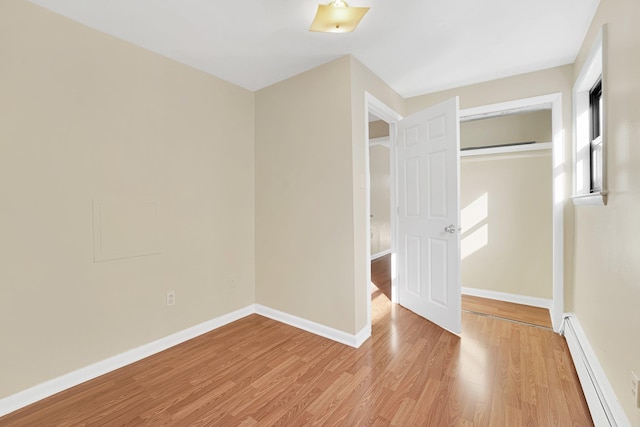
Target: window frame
point(596, 111)
point(587, 150)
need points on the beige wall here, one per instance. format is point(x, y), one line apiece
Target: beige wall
point(364, 81)
point(378, 129)
point(86, 116)
point(379, 166)
point(607, 259)
point(304, 197)
point(89, 118)
point(552, 80)
point(310, 201)
point(509, 129)
point(505, 202)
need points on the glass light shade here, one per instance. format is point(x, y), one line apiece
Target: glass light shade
point(337, 17)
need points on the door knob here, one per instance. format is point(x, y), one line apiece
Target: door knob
point(450, 229)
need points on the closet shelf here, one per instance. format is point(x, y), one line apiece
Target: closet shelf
point(513, 148)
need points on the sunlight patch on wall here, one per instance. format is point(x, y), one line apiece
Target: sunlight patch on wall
point(558, 166)
point(475, 230)
point(580, 171)
point(474, 213)
point(474, 241)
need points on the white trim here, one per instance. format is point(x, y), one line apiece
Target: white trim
point(603, 404)
point(493, 110)
point(380, 254)
point(516, 110)
point(521, 155)
point(506, 149)
point(315, 328)
point(594, 67)
point(559, 197)
point(514, 298)
point(66, 381)
point(374, 106)
point(591, 199)
point(56, 385)
point(384, 140)
point(558, 182)
point(362, 336)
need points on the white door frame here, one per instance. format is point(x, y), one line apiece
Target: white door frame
point(379, 109)
point(558, 181)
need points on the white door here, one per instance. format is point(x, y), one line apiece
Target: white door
point(428, 245)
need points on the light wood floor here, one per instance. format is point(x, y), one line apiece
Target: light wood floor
point(506, 310)
point(381, 273)
point(409, 373)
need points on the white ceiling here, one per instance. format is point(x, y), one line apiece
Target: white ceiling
point(415, 46)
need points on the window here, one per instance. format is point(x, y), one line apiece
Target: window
point(589, 130)
point(595, 113)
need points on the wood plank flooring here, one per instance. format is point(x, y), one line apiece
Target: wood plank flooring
point(381, 275)
point(507, 310)
point(409, 373)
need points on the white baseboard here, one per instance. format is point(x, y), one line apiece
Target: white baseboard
point(514, 298)
point(380, 254)
point(362, 336)
point(315, 328)
point(604, 406)
point(56, 385)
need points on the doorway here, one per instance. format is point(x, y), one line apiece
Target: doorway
point(380, 207)
point(552, 101)
point(379, 187)
point(505, 195)
point(425, 214)
point(387, 119)
point(558, 194)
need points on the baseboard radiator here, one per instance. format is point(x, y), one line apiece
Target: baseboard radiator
point(604, 406)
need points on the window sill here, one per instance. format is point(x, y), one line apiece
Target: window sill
point(593, 199)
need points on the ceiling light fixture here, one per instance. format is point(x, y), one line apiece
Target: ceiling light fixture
point(337, 17)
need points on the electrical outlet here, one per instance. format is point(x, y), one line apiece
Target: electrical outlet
point(635, 391)
point(171, 298)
